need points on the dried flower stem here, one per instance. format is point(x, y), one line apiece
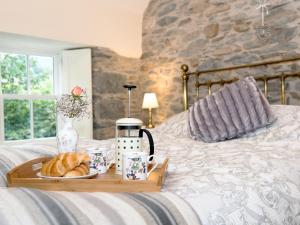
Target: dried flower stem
point(73, 106)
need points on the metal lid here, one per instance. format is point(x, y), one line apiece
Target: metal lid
point(129, 122)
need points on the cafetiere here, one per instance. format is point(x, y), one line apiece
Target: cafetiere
point(129, 135)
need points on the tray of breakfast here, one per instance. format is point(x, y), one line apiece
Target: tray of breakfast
point(77, 171)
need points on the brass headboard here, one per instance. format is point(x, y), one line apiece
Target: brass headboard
point(185, 75)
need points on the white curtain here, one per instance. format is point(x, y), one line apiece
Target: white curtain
point(76, 70)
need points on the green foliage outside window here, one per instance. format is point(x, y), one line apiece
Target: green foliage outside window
point(16, 119)
point(15, 71)
point(44, 118)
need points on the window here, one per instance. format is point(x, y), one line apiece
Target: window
point(27, 96)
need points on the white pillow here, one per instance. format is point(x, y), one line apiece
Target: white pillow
point(286, 128)
point(175, 126)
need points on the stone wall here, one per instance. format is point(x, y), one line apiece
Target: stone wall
point(109, 73)
point(208, 34)
point(203, 34)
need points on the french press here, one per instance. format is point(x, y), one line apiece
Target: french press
point(129, 135)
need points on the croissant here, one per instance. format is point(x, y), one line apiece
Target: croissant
point(80, 170)
point(47, 165)
point(63, 163)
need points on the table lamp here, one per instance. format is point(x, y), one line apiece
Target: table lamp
point(150, 102)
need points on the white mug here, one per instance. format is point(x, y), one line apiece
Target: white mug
point(135, 165)
point(99, 159)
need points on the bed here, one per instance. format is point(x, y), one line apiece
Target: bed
point(252, 180)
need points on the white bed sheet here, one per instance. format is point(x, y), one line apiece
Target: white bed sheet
point(252, 180)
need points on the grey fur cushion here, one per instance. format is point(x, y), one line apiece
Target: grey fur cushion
point(234, 110)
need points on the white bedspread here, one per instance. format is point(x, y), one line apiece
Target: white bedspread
point(254, 180)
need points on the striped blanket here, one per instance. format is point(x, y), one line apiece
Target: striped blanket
point(22, 206)
point(28, 206)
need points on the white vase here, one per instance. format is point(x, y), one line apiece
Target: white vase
point(67, 137)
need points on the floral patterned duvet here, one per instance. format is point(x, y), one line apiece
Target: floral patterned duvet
point(254, 180)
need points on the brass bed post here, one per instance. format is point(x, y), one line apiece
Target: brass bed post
point(209, 87)
point(185, 78)
point(197, 85)
point(265, 79)
point(282, 90)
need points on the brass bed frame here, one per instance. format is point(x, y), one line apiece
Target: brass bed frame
point(186, 74)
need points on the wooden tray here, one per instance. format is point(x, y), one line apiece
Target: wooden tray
point(24, 175)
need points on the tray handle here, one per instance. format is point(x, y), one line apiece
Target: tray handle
point(26, 170)
point(163, 172)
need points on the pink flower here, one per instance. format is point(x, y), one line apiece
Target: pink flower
point(77, 91)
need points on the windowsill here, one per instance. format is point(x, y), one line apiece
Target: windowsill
point(27, 141)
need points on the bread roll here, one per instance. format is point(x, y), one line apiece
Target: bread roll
point(47, 167)
point(63, 163)
point(58, 169)
point(80, 170)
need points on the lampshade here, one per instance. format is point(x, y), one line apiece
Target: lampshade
point(150, 101)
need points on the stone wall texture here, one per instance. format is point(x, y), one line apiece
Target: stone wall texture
point(109, 73)
point(207, 34)
point(204, 34)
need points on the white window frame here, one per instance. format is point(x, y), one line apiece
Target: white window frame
point(31, 97)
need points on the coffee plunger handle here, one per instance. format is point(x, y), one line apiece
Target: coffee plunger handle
point(150, 139)
point(129, 87)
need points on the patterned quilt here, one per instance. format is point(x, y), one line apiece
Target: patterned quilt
point(253, 180)
point(29, 206)
point(23, 206)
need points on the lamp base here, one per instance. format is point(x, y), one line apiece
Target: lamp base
point(150, 125)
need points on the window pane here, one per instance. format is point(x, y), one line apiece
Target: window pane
point(16, 119)
point(44, 118)
point(13, 73)
point(41, 74)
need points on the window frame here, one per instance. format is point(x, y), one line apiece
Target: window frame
point(31, 97)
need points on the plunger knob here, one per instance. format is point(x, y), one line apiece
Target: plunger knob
point(129, 86)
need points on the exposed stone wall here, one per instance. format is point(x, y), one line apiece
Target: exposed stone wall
point(204, 34)
point(208, 34)
point(109, 73)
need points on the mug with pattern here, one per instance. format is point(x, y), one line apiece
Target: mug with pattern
point(99, 159)
point(135, 165)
